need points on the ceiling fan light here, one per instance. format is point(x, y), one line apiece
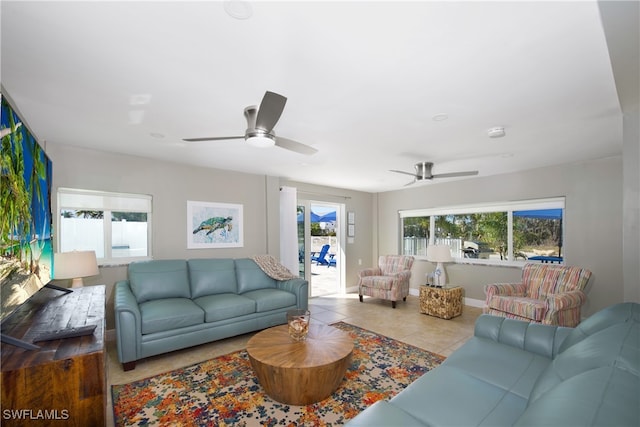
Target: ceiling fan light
point(261, 141)
point(496, 132)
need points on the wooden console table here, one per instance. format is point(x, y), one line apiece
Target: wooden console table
point(62, 383)
point(441, 302)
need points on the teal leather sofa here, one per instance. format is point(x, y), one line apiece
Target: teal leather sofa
point(166, 305)
point(525, 374)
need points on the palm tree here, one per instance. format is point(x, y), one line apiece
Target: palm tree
point(17, 227)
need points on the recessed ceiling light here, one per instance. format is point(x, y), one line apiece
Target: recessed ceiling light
point(140, 99)
point(440, 117)
point(238, 9)
point(496, 132)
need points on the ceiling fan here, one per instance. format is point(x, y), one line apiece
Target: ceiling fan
point(423, 172)
point(260, 124)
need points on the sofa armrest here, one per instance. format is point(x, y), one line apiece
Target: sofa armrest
point(566, 300)
point(370, 272)
point(298, 287)
point(544, 340)
point(128, 323)
point(507, 289)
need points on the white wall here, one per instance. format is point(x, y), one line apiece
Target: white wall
point(631, 206)
point(593, 222)
point(622, 31)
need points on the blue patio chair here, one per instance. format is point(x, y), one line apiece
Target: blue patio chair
point(332, 261)
point(321, 258)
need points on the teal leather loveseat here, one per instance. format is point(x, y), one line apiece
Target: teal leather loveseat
point(525, 374)
point(166, 305)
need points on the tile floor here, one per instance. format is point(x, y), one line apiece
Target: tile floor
point(405, 323)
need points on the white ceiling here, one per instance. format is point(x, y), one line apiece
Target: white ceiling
point(363, 81)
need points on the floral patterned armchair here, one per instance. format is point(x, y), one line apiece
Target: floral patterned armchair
point(548, 294)
point(390, 280)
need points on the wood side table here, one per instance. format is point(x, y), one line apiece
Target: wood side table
point(62, 383)
point(445, 303)
point(300, 373)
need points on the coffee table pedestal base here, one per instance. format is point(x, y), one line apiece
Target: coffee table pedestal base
point(300, 387)
point(300, 373)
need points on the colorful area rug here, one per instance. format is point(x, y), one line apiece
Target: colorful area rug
point(224, 391)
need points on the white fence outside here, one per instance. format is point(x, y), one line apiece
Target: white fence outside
point(317, 242)
point(418, 246)
point(129, 239)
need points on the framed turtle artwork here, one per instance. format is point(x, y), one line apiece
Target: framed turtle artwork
point(214, 225)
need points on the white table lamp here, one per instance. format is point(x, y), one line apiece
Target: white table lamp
point(439, 254)
point(75, 265)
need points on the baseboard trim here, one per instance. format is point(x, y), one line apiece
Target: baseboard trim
point(472, 302)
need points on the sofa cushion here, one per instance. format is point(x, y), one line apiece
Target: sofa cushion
point(618, 345)
point(606, 396)
point(212, 276)
point(529, 308)
point(250, 277)
point(477, 402)
point(150, 280)
point(225, 306)
point(503, 365)
point(618, 313)
point(271, 299)
point(169, 313)
point(490, 380)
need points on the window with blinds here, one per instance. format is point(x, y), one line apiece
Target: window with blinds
point(117, 226)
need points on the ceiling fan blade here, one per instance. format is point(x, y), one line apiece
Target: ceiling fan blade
point(212, 138)
point(455, 174)
point(289, 144)
point(406, 173)
point(270, 111)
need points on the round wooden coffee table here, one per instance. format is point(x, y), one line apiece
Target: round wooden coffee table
point(300, 373)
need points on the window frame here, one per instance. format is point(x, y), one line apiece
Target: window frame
point(504, 206)
point(107, 202)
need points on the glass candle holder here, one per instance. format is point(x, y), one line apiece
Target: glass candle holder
point(298, 321)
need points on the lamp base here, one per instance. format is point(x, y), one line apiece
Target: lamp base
point(77, 282)
point(440, 276)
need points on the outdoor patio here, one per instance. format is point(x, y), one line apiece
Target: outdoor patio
point(324, 280)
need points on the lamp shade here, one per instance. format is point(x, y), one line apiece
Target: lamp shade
point(75, 265)
point(439, 253)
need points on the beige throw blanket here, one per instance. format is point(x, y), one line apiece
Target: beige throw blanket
point(272, 267)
